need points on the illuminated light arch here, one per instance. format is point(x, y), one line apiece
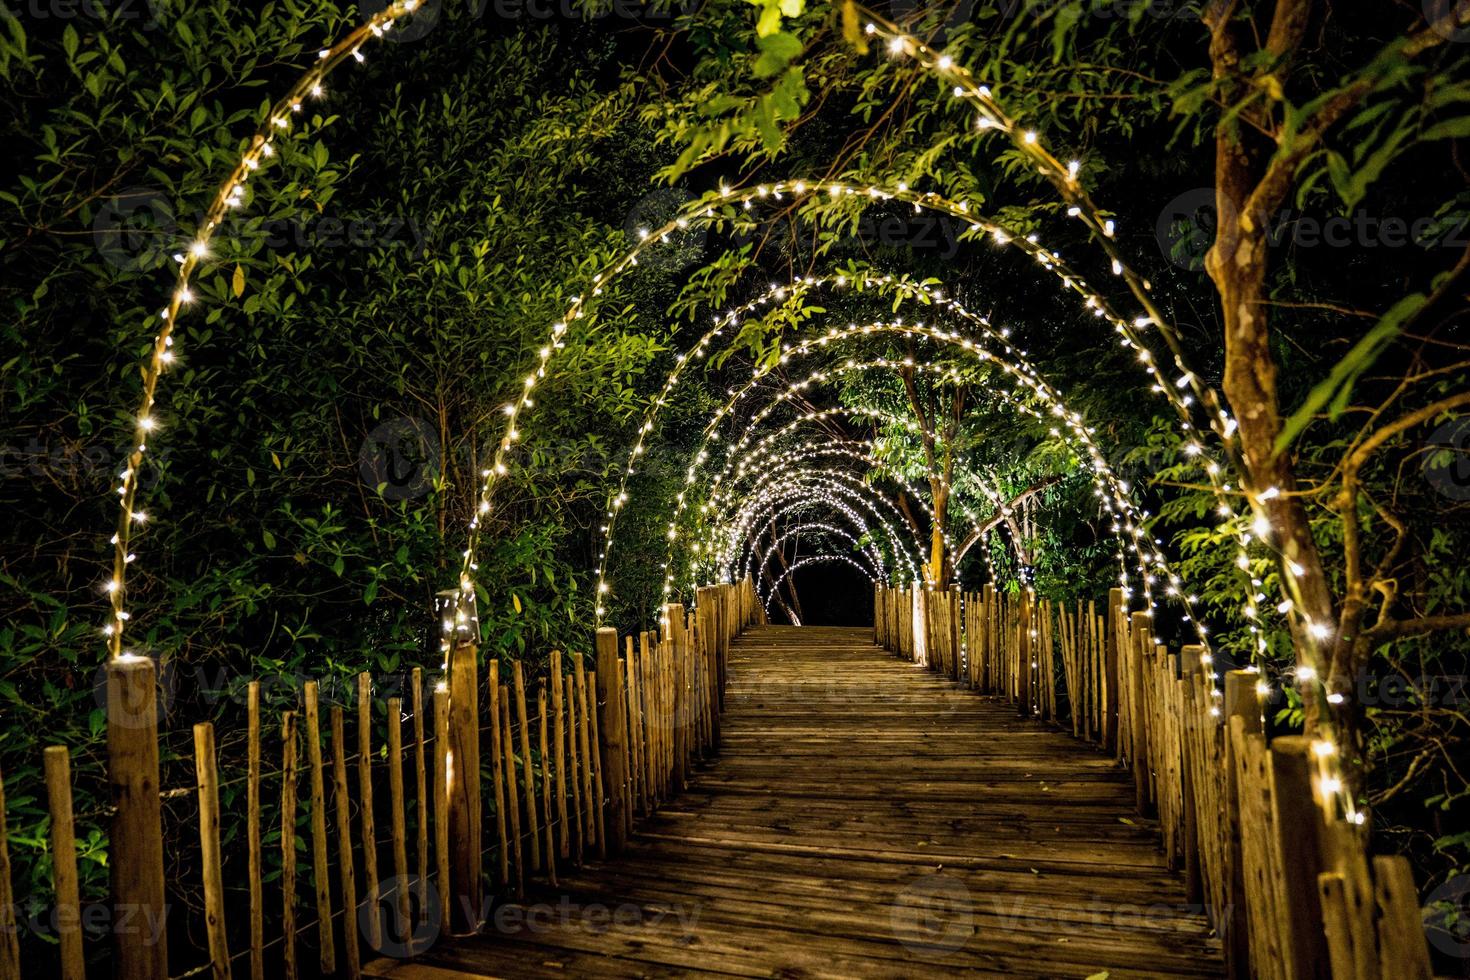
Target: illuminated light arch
point(715, 504)
point(727, 561)
point(847, 448)
point(999, 503)
point(993, 116)
point(754, 571)
point(785, 504)
point(832, 487)
point(704, 209)
point(802, 563)
point(1015, 364)
point(260, 147)
point(1102, 472)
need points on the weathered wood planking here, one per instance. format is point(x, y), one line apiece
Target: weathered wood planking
point(865, 817)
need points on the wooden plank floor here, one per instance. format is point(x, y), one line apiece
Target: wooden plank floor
point(864, 819)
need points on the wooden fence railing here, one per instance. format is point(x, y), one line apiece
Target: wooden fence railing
point(548, 776)
point(1257, 828)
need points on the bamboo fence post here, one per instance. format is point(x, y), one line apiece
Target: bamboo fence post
point(1402, 952)
point(674, 617)
point(714, 655)
point(9, 934)
point(441, 791)
point(1190, 719)
point(1139, 705)
point(559, 753)
point(512, 796)
point(57, 761)
point(546, 805)
point(497, 771)
point(351, 952)
point(637, 787)
point(594, 758)
point(137, 829)
point(1024, 631)
point(463, 761)
point(206, 777)
point(252, 831)
point(529, 778)
point(590, 803)
point(397, 819)
point(326, 947)
point(420, 777)
point(367, 823)
point(613, 740)
point(627, 666)
point(1300, 840)
point(1110, 721)
point(574, 762)
point(1241, 701)
point(288, 848)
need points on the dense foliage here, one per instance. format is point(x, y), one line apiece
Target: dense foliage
point(384, 290)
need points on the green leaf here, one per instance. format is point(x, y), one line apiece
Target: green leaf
point(777, 50)
point(769, 22)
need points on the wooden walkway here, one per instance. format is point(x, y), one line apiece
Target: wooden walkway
point(865, 818)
